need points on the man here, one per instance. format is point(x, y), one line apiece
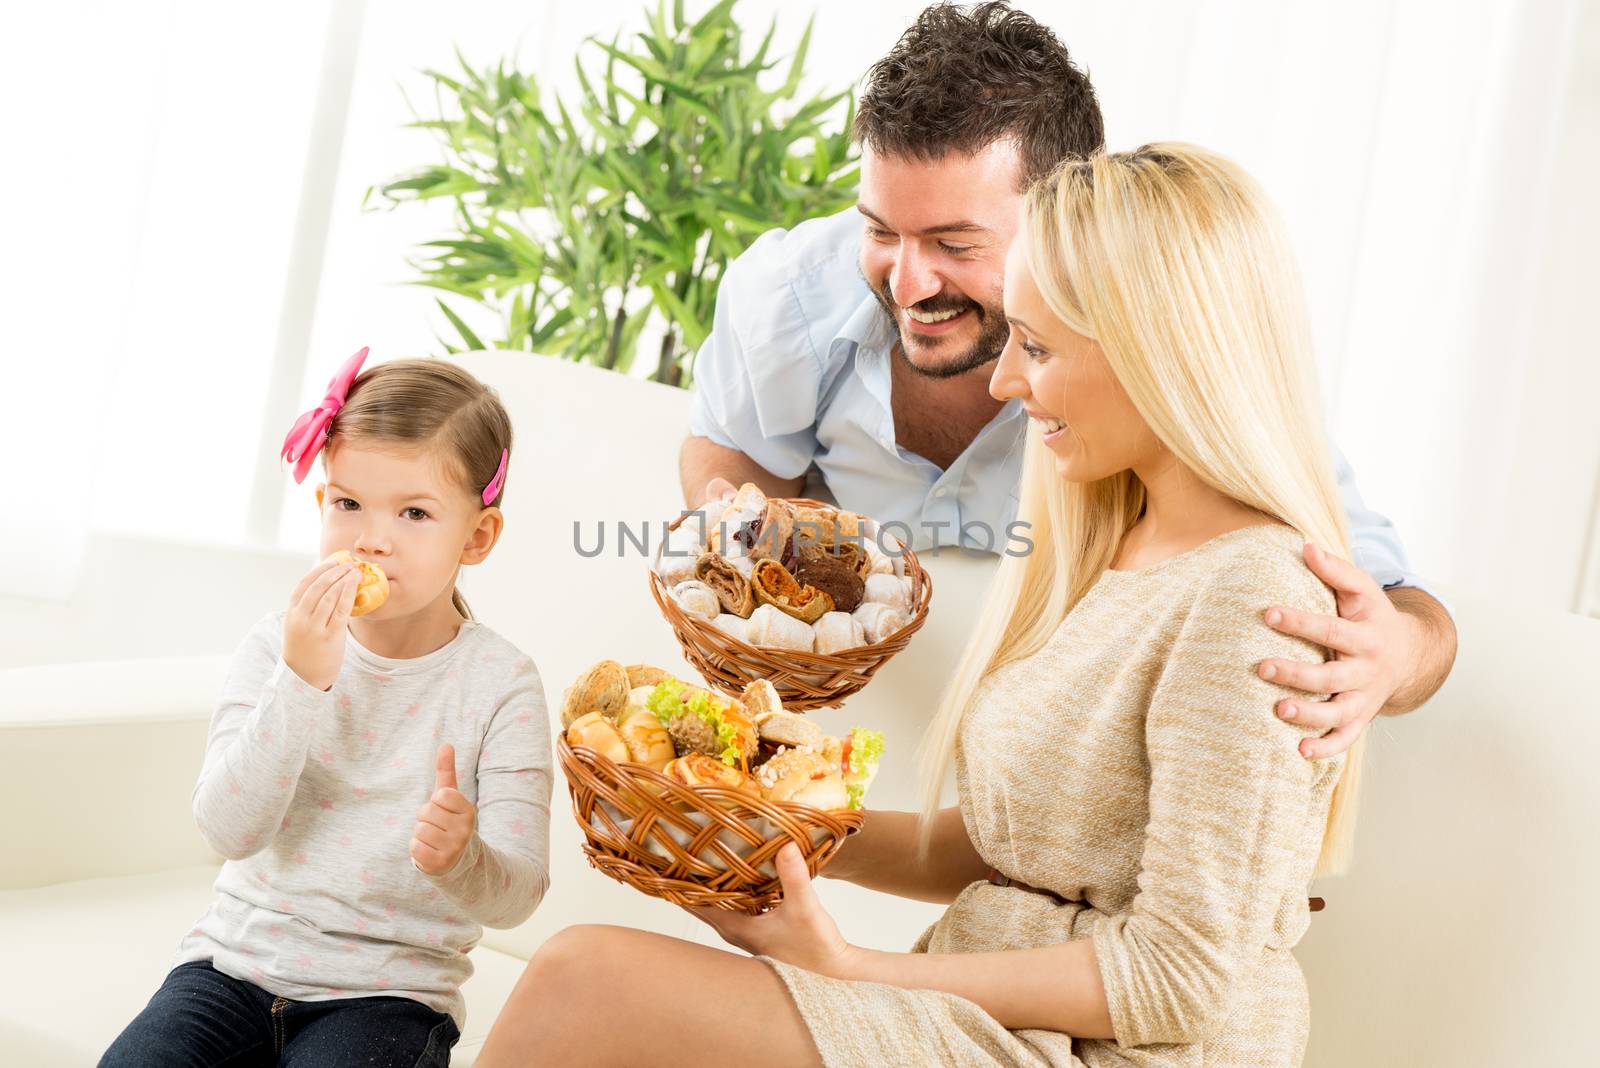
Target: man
point(855, 352)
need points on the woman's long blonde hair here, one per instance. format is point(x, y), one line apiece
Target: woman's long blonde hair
point(1171, 258)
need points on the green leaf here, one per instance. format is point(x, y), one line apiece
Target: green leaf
point(465, 331)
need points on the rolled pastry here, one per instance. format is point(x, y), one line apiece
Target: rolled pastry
point(772, 628)
point(727, 582)
point(878, 561)
point(879, 620)
point(775, 586)
point(733, 626)
point(679, 552)
point(770, 537)
point(836, 631)
point(889, 590)
point(702, 520)
point(746, 508)
point(833, 576)
point(697, 599)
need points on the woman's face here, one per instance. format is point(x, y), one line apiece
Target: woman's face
point(1073, 400)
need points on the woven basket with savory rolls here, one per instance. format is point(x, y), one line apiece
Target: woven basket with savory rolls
point(810, 598)
point(687, 795)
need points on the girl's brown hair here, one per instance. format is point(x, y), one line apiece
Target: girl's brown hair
point(434, 405)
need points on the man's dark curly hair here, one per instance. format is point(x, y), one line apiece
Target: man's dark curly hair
point(962, 78)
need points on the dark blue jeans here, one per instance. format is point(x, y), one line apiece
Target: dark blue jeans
point(201, 1018)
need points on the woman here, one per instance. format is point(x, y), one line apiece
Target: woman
point(1128, 865)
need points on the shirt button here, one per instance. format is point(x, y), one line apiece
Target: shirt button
point(942, 491)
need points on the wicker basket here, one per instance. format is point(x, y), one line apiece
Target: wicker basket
point(804, 681)
point(680, 844)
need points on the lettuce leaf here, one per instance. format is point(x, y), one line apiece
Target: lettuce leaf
point(667, 703)
point(866, 749)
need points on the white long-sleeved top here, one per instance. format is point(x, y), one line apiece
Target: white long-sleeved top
point(312, 796)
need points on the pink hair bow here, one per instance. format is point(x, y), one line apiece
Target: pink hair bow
point(310, 431)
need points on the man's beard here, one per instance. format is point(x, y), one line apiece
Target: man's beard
point(992, 332)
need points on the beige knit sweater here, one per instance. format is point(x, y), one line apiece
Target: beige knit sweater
point(1133, 766)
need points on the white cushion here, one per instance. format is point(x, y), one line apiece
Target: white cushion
point(82, 959)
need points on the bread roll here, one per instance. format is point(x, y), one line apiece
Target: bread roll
point(802, 777)
point(373, 587)
point(598, 733)
point(646, 740)
point(603, 688)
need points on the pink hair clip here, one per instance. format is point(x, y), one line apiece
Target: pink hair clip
point(492, 490)
point(310, 432)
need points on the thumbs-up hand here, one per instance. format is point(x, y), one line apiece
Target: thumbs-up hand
point(445, 823)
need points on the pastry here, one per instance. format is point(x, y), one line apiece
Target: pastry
point(890, 590)
point(774, 585)
point(732, 588)
point(836, 631)
point(646, 739)
point(878, 621)
point(603, 688)
point(644, 675)
point(833, 576)
point(679, 551)
point(697, 769)
point(771, 537)
point(878, 561)
point(733, 626)
point(850, 553)
point(697, 599)
point(745, 509)
point(789, 730)
point(773, 628)
point(760, 698)
point(598, 733)
point(373, 587)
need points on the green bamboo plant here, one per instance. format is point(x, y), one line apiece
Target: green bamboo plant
point(577, 225)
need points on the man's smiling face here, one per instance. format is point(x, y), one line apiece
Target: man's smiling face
point(934, 251)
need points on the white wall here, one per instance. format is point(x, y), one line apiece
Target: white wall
point(1432, 161)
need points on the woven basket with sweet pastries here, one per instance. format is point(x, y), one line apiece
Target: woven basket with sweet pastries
point(810, 598)
point(687, 795)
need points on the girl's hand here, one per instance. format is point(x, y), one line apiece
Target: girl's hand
point(797, 931)
point(314, 627)
point(445, 823)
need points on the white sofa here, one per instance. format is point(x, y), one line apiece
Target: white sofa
point(1463, 936)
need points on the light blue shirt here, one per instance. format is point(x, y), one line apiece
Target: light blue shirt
point(795, 375)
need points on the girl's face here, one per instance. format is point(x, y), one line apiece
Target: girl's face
point(400, 510)
point(1072, 398)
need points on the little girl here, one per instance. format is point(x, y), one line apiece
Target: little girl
point(380, 785)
